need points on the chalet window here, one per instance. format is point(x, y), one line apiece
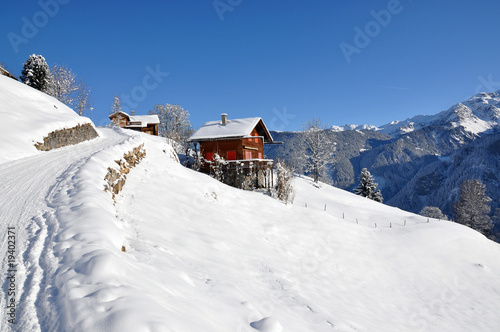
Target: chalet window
point(260, 155)
point(231, 155)
point(210, 156)
point(248, 154)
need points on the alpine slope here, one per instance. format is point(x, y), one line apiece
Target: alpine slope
point(176, 250)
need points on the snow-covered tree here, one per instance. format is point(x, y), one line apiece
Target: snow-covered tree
point(433, 212)
point(62, 84)
point(313, 149)
point(367, 187)
point(473, 206)
point(174, 125)
point(496, 216)
point(284, 185)
point(117, 105)
point(82, 101)
point(36, 72)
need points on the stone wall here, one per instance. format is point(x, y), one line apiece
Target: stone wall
point(116, 176)
point(69, 136)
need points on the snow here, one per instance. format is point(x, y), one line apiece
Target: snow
point(203, 256)
point(233, 128)
point(28, 116)
point(353, 127)
point(476, 115)
point(144, 120)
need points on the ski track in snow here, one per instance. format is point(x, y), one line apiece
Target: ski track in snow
point(31, 183)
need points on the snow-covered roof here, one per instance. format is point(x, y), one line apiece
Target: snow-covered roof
point(118, 113)
point(138, 121)
point(234, 128)
point(145, 119)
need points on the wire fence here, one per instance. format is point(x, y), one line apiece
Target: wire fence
point(338, 213)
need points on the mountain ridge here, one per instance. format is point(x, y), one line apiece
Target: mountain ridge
point(479, 113)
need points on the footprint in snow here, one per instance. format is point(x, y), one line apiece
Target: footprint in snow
point(267, 324)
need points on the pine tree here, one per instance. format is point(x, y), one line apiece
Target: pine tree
point(367, 187)
point(36, 72)
point(473, 207)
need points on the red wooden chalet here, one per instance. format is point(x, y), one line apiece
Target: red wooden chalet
point(240, 142)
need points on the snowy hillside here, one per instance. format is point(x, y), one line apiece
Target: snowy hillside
point(202, 256)
point(28, 115)
point(176, 250)
point(477, 114)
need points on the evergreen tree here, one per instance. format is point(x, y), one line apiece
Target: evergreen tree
point(36, 72)
point(473, 207)
point(367, 187)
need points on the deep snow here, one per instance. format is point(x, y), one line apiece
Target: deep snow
point(202, 256)
point(28, 115)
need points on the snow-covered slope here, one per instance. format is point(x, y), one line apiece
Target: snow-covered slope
point(27, 116)
point(202, 256)
point(476, 115)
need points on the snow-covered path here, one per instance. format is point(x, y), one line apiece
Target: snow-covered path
point(26, 203)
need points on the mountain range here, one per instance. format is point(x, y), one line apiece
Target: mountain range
point(420, 161)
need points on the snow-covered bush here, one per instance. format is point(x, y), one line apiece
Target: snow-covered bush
point(433, 212)
point(250, 178)
point(217, 168)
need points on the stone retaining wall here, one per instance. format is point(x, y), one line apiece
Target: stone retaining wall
point(116, 177)
point(69, 136)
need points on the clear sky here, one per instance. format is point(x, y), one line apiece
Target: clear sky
point(346, 62)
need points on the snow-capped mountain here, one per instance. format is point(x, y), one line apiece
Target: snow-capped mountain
point(476, 115)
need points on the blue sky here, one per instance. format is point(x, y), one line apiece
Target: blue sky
point(282, 60)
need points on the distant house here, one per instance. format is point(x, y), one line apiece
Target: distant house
point(240, 142)
point(146, 123)
point(6, 73)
